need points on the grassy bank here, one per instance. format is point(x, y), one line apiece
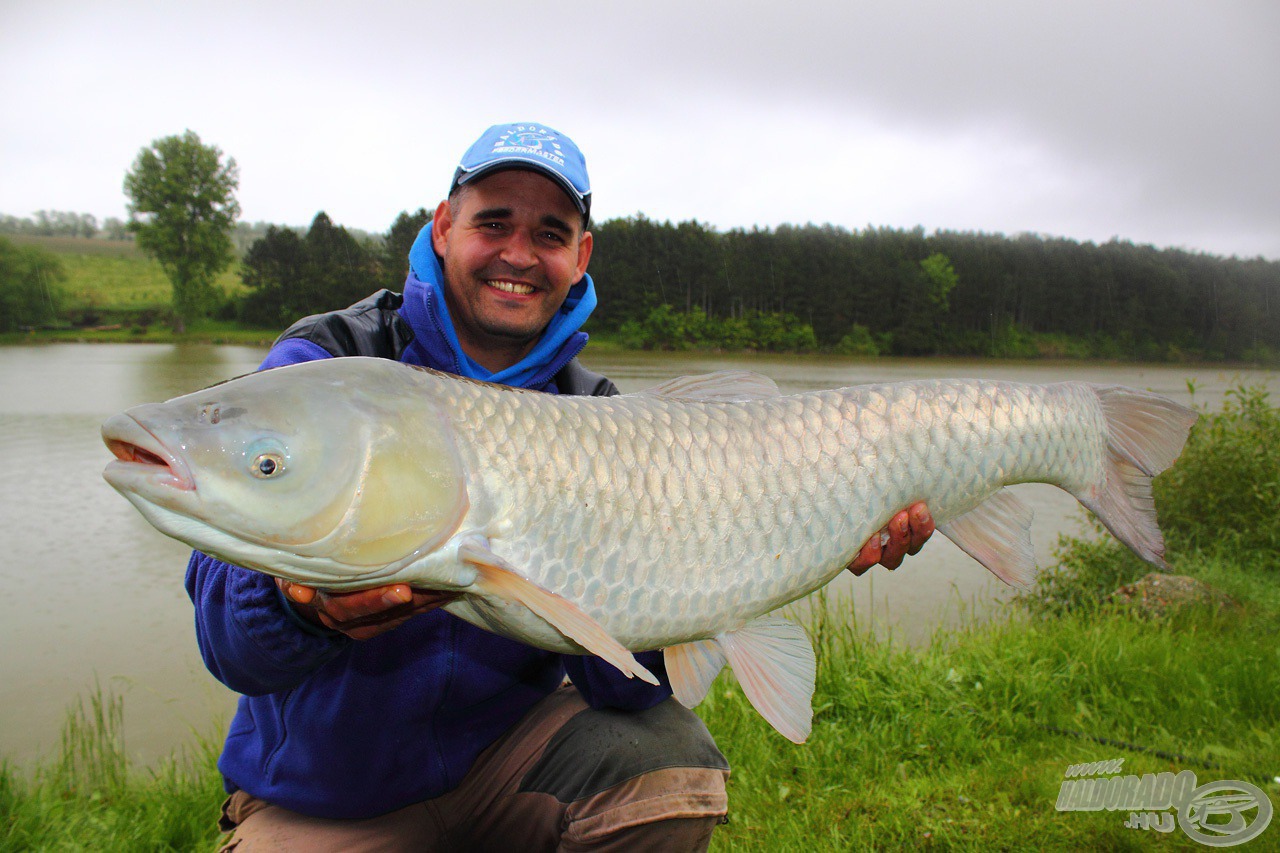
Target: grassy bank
point(951, 745)
point(959, 745)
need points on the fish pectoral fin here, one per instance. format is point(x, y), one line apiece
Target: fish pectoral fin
point(725, 385)
point(500, 579)
point(773, 660)
point(997, 533)
point(692, 667)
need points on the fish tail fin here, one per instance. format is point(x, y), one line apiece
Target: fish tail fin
point(1145, 435)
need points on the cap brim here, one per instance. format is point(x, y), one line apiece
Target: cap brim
point(579, 200)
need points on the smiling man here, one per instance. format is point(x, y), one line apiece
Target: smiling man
point(376, 720)
point(513, 246)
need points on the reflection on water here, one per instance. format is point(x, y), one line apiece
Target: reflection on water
point(88, 589)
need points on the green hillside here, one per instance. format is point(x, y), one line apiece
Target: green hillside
point(113, 292)
point(113, 279)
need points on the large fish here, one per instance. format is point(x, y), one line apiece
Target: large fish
point(677, 518)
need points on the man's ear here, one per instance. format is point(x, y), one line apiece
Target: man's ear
point(441, 222)
point(585, 245)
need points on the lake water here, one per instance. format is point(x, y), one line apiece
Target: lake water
point(89, 592)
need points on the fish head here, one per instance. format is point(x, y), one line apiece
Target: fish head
point(328, 473)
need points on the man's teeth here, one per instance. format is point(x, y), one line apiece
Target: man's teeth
point(511, 286)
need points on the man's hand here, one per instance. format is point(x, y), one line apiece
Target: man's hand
point(906, 534)
point(366, 613)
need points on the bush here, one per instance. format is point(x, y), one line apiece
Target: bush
point(858, 342)
point(30, 286)
point(667, 329)
point(1224, 492)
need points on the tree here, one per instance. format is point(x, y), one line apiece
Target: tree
point(29, 286)
point(182, 208)
point(274, 271)
point(287, 276)
point(338, 268)
point(399, 239)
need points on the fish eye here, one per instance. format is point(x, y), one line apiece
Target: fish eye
point(267, 465)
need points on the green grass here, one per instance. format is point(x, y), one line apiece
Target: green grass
point(951, 745)
point(89, 797)
point(946, 745)
point(201, 331)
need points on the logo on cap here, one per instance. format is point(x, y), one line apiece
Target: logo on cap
point(530, 139)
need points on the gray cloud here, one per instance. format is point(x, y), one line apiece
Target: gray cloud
point(1152, 120)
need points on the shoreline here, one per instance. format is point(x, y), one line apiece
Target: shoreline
point(600, 344)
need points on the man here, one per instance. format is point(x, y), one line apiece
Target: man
point(374, 719)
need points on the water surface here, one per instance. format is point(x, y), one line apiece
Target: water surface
point(88, 590)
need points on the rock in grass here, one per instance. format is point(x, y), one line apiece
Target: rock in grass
point(1157, 594)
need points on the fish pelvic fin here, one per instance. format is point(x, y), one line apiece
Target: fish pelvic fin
point(773, 660)
point(502, 580)
point(997, 533)
point(1145, 435)
point(691, 667)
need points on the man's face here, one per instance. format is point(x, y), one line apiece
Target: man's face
point(512, 245)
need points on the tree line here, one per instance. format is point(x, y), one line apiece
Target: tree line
point(879, 290)
point(63, 223)
point(911, 293)
point(289, 274)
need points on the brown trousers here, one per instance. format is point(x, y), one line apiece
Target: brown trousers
point(564, 778)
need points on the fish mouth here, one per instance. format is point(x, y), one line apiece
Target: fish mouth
point(141, 457)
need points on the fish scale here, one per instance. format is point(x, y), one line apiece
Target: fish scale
point(745, 543)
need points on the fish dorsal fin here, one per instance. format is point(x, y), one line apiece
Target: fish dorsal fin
point(692, 667)
point(773, 660)
point(724, 386)
point(997, 533)
point(500, 579)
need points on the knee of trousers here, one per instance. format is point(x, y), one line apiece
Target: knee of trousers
point(665, 751)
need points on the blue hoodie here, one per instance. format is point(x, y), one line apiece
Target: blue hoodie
point(335, 728)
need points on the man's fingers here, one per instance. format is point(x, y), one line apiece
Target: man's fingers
point(296, 592)
point(892, 554)
point(867, 557)
point(430, 599)
point(365, 613)
point(922, 527)
point(354, 606)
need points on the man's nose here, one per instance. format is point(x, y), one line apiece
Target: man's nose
point(518, 251)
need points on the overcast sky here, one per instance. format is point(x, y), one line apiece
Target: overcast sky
point(1155, 121)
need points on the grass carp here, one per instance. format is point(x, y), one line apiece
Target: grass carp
point(677, 518)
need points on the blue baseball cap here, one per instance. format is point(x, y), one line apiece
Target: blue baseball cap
point(533, 146)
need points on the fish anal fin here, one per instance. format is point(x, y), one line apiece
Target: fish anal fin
point(997, 533)
point(773, 661)
point(692, 667)
point(725, 385)
point(500, 579)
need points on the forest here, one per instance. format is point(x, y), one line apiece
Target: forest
point(960, 293)
point(874, 291)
